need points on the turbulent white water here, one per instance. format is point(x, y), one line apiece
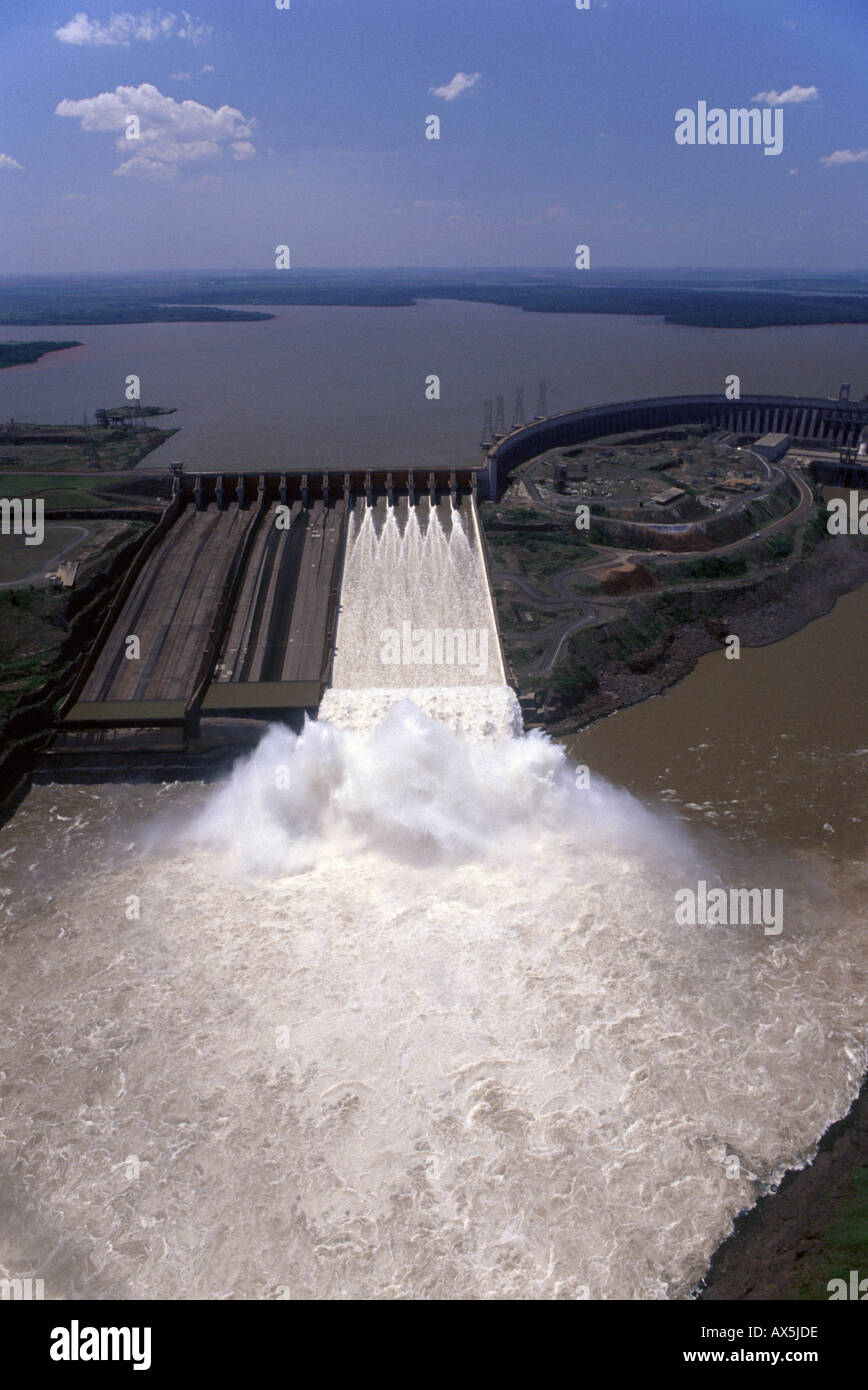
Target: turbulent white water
point(417, 621)
point(402, 1015)
point(399, 1010)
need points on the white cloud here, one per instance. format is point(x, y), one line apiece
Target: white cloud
point(550, 215)
point(206, 181)
point(461, 82)
point(205, 69)
point(172, 133)
point(791, 97)
point(846, 157)
point(7, 162)
point(125, 28)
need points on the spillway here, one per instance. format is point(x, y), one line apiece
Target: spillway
point(417, 622)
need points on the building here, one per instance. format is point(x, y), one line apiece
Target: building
point(772, 447)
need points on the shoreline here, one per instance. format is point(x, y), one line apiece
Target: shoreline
point(813, 595)
point(783, 1244)
point(780, 1247)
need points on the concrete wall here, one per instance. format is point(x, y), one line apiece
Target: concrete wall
point(836, 423)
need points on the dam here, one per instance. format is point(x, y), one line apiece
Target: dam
point(229, 614)
point(823, 423)
point(272, 596)
point(509, 1073)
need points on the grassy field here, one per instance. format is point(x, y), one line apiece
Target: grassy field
point(56, 490)
point(62, 448)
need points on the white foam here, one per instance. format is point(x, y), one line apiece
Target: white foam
point(476, 711)
point(429, 579)
point(404, 1014)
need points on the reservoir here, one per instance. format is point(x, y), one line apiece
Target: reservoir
point(345, 387)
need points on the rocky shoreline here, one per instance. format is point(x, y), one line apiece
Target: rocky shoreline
point(810, 595)
point(788, 1244)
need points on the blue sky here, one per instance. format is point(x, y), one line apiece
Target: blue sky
point(309, 130)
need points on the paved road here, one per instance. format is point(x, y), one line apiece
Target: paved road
point(37, 576)
point(559, 633)
point(556, 639)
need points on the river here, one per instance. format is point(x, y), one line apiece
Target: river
point(341, 387)
point(390, 1013)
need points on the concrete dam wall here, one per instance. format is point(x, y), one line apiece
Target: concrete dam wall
point(229, 610)
point(830, 423)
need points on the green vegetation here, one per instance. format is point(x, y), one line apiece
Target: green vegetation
point(35, 623)
point(529, 543)
point(572, 681)
point(778, 546)
point(697, 300)
point(57, 490)
point(119, 441)
point(709, 567)
point(30, 633)
point(816, 530)
point(20, 354)
point(841, 1244)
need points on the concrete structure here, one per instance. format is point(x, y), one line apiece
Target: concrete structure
point(232, 600)
point(772, 447)
point(807, 420)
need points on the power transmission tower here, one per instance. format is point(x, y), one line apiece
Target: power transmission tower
point(518, 410)
point(541, 408)
point(487, 428)
point(499, 420)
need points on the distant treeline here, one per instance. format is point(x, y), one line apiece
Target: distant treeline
point(17, 354)
point(692, 300)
